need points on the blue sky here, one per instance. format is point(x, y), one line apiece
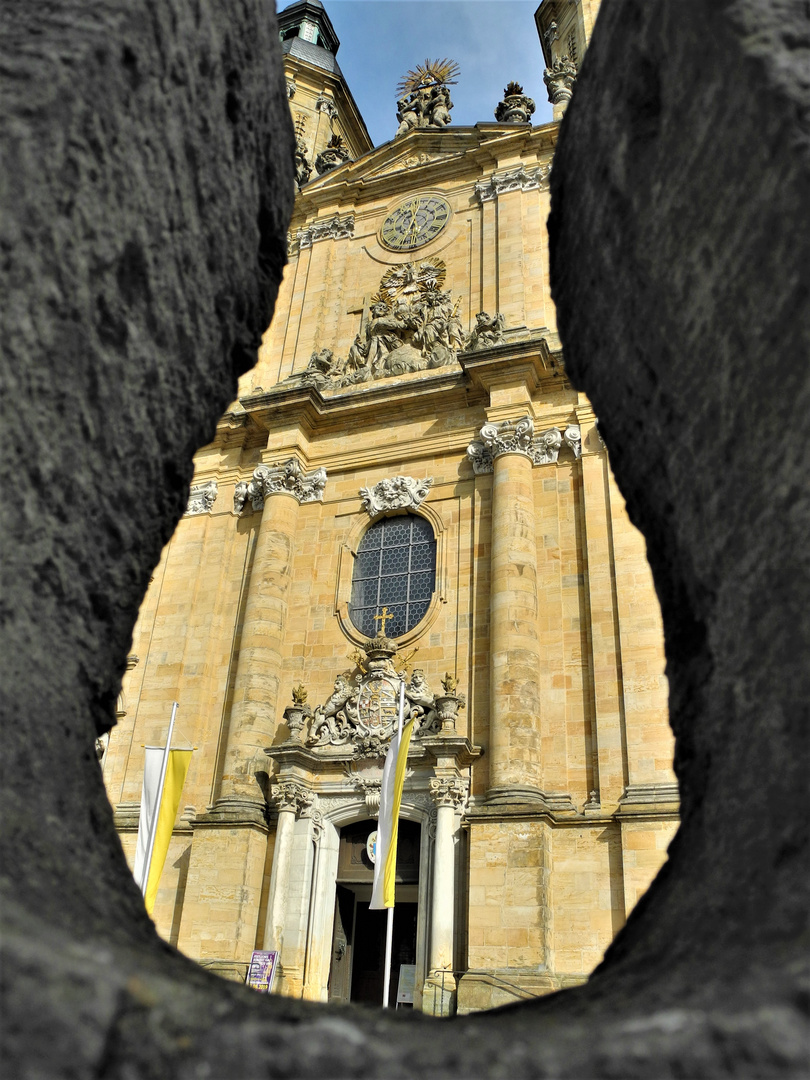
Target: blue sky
point(493, 41)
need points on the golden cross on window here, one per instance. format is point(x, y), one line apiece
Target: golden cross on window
point(383, 618)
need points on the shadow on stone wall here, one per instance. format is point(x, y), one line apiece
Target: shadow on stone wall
point(148, 177)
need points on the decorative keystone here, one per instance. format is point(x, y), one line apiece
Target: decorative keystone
point(396, 493)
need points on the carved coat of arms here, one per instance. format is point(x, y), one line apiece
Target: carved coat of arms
point(362, 713)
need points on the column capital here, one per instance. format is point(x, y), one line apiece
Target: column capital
point(517, 437)
point(448, 791)
point(287, 795)
point(287, 479)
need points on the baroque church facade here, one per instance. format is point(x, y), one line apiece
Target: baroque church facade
point(407, 489)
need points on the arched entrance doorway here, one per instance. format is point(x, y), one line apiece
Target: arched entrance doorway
point(358, 940)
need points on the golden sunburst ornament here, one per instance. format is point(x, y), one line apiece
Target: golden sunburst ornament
point(431, 73)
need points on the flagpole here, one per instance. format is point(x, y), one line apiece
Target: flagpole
point(389, 932)
point(153, 831)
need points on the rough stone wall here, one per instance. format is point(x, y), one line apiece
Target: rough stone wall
point(680, 272)
point(139, 265)
point(147, 183)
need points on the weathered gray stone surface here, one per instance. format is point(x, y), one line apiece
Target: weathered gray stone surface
point(148, 170)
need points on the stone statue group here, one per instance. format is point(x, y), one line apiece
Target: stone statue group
point(404, 336)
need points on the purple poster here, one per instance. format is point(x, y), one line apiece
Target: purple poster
point(262, 971)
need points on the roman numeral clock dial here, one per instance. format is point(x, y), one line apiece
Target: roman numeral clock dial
point(415, 223)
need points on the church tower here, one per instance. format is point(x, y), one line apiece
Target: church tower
point(407, 490)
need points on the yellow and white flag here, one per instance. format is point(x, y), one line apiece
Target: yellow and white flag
point(158, 811)
point(393, 780)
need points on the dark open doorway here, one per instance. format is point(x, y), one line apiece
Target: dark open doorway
point(358, 943)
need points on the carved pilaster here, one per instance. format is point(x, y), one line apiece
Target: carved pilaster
point(201, 498)
point(546, 447)
point(288, 478)
point(573, 438)
point(396, 493)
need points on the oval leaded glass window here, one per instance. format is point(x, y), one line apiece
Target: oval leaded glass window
point(395, 569)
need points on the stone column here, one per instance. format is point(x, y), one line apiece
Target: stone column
point(290, 799)
point(514, 712)
point(254, 712)
point(226, 869)
point(439, 993)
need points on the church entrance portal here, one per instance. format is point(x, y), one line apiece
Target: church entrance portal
point(358, 940)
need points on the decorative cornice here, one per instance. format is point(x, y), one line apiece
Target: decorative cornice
point(519, 179)
point(396, 493)
point(335, 228)
point(288, 479)
point(449, 791)
point(201, 498)
point(287, 795)
point(517, 437)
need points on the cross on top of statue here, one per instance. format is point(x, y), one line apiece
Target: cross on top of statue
point(383, 619)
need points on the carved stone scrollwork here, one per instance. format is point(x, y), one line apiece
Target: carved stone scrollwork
point(371, 791)
point(326, 105)
point(288, 478)
point(449, 791)
point(291, 88)
point(546, 447)
point(396, 493)
point(515, 108)
point(303, 169)
point(362, 713)
point(509, 437)
point(287, 795)
point(335, 228)
point(316, 817)
point(560, 79)
point(573, 437)
point(481, 457)
point(512, 437)
point(335, 154)
point(519, 179)
point(201, 498)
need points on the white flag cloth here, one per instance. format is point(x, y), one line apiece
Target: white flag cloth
point(393, 780)
point(150, 797)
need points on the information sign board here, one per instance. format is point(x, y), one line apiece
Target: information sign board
point(262, 970)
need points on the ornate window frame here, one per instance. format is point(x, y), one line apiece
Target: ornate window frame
point(343, 588)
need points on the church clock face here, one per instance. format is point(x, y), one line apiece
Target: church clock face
point(415, 223)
